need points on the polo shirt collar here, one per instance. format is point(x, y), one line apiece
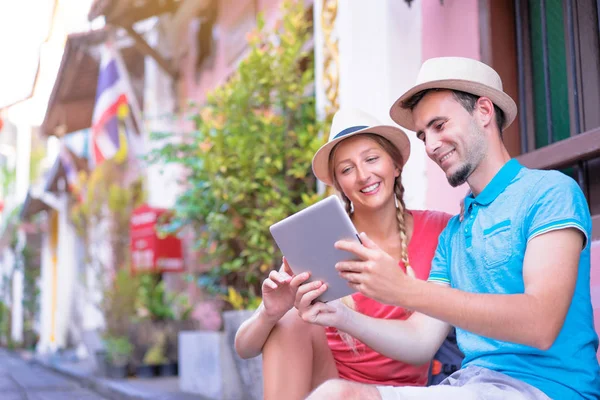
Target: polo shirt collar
point(497, 185)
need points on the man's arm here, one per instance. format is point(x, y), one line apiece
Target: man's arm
point(533, 318)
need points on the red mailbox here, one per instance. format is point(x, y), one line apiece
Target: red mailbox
point(149, 252)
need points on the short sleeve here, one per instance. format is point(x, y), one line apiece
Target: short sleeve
point(440, 265)
point(559, 203)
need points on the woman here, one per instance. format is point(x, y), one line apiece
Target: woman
point(363, 161)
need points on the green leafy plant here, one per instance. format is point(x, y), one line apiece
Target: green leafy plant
point(118, 349)
point(156, 353)
point(153, 301)
point(119, 302)
point(249, 160)
point(107, 196)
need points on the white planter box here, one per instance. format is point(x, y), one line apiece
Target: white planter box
point(206, 366)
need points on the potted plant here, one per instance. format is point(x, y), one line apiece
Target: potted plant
point(155, 356)
point(118, 351)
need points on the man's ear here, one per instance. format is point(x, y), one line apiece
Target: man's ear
point(485, 111)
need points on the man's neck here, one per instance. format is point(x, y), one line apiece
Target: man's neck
point(487, 169)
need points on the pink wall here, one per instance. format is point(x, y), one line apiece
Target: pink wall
point(451, 29)
point(234, 20)
point(595, 285)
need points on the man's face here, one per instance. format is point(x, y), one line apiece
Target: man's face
point(452, 136)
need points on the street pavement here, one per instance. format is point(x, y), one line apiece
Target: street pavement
point(22, 380)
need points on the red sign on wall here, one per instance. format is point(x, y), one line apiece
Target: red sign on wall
point(150, 253)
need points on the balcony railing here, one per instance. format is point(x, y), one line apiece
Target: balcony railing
point(573, 151)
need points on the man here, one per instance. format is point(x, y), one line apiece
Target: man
point(513, 276)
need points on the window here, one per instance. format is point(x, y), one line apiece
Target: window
point(547, 53)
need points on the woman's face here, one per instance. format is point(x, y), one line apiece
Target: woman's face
point(365, 172)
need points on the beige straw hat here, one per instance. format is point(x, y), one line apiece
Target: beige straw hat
point(456, 73)
point(350, 122)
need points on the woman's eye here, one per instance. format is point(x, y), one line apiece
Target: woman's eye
point(345, 170)
point(371, 159)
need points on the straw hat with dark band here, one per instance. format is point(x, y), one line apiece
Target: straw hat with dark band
point(456, 73)
point(350, 122)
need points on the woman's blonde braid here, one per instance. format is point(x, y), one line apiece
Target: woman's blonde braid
point(400, 209)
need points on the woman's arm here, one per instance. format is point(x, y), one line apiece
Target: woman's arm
point(278, 291)
point(253, 333)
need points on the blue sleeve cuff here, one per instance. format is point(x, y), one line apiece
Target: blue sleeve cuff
point(557, 225)
point(439, 279)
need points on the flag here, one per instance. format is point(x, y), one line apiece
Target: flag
point(111, 97)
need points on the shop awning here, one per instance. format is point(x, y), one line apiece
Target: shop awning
point(73, 97)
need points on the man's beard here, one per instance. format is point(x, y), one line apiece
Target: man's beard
point(460, 176)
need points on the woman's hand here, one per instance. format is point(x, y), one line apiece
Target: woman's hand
point(279, 291)
point(332, 314)
point(376, 275)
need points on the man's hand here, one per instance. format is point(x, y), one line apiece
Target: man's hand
point(377, 274)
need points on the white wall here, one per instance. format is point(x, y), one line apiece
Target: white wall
point(159, 107)
point(380, 55)
point(17, 292)
point(46, 295)
point(58, 282)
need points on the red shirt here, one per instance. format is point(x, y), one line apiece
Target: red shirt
point(369, 366)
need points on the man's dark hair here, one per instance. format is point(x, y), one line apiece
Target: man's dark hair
point(467, 100)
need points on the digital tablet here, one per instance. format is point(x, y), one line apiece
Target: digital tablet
point(307, 239)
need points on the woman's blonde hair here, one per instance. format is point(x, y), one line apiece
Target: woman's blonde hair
point(396, 156)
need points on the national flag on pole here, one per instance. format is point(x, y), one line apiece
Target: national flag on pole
point(111, 98)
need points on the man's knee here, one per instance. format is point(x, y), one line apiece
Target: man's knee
point(341, 389)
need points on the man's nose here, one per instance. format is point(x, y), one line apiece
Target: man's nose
point(432, 144)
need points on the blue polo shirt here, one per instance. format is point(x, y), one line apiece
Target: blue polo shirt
point(484, 254)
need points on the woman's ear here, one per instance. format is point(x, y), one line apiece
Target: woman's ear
point(397, 172)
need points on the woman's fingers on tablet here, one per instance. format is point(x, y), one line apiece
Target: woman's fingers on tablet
point(309, 297)
point(303, 289)
point(302, 292)
point(269, 283)
point(299, 279)
point(279, 277)
point(286, 267)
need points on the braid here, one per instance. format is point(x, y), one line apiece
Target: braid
point(347, 202)
point(399, 192)
point(348, 301)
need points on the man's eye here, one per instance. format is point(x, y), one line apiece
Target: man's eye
point(439, 127)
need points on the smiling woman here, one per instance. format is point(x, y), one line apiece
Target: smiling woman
point(363, 161)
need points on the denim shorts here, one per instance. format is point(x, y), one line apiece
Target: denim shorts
point(470, 383)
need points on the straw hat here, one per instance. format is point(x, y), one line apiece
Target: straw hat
point(457, 73)
point(350, 122)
